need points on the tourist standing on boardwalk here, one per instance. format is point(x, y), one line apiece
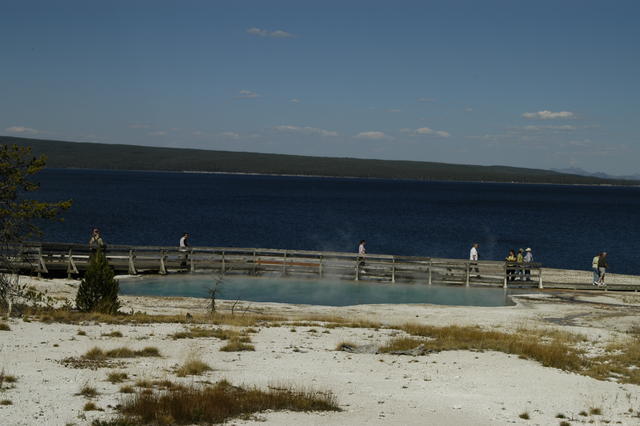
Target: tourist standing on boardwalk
point(95, 241)
point(602, 268)
point(594, 266)
point(520, 260)
point(184, 248)
point(362, 252)
point(473, 257)
point(528, 258)
point(511, 259)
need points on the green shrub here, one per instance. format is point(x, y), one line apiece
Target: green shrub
point(98, 291)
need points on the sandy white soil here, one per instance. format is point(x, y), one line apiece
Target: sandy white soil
point(447, 388)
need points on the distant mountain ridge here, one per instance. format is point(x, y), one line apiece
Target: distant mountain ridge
point(582, 172)
point(62, 154)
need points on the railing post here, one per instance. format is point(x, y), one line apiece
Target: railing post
point(357, 268)
point(42, 267)
point(505, 275)
point(393, 269)
point(163, 267)
point(284, 263)
point(132, 266)
point(430, 267)
point(255, 265)
point(540, 278)
point(71, 265)
point(468, 273)
point(222, 267)
point(192, 263)
point(320, 267)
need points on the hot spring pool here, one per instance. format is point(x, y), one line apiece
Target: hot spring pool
point(311, 292)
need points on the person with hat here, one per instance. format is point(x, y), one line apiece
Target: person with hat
point(96, 242)
point(528, 258)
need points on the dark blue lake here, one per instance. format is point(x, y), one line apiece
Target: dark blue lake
point(564, 225)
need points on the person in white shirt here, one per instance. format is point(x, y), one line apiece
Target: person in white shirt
point(362, 251)
point(473, 257)
point(184, 248)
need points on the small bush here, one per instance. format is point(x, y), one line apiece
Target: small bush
point(88, 391)
point(90, 406)
point(82, 333)
point(117, 377)
point(583, 413)
point(6, 402)
point(98, 290)
point(524, 415)
point(192, 367)
point(4, 326)
point(6, 378)
point(595, 411)
point(565, 423)
point(112, 334)
point(560, 416)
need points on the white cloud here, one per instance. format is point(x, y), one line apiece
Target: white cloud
point(158, 133)
point(371, 135)
point(21, 129)
point(426, 131)
point(426, 99)
point(533, 128)
point(247, 94)
point(305, 130)
point(294, 101)
point(266, 33)
point(230, 135)
point(549, 115)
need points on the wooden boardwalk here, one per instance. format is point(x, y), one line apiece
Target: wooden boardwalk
point(73, 259)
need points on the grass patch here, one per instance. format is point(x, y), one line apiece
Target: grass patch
point(565, 423)
point(117, 377)
point(560, 416)
point(342, 345)
point(193, 367)
point(91, 406)
point(236, 345)
point(6, 402)
point(127, 389)
point(4, 326)
point(97, 354)
point(218, 403)
point(595, 411)
point(82, 333)
point(524, 415)
point(88, 391)
point(219, 333)
point(6, 378)
point(112, 334)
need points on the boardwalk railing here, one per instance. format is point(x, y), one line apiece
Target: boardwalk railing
point(73, 259)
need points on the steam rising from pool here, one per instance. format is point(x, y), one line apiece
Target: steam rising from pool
point(313, 292)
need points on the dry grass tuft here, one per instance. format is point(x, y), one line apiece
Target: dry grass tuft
point(112, 334)
point(127, 389)
point(82, 333)
point(342, 345)
point(6, 402)
point(6, 378)
point(218, 403)
point(88, 391)
point(236, 345)
point(117, 377)
point(193, 367)
point(219, 333)
point(91, 406)
point(524, 415)
point(4, 326)
point(595, 411)
point(97, 354)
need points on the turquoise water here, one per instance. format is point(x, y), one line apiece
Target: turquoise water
point(328, 293)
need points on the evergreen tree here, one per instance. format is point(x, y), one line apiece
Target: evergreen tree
point(98, 291)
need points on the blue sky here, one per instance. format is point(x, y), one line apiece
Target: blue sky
point(545, 84)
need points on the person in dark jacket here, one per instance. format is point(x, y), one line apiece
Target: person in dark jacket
point(602, 268)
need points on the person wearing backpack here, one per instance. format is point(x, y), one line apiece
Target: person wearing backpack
point(594, 266)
